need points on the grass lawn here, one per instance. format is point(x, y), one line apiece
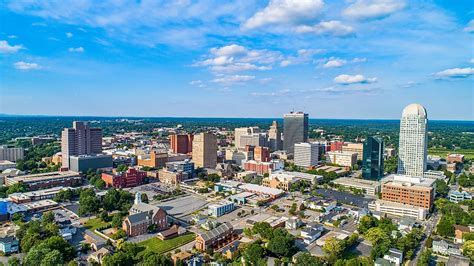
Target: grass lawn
point(95, 223)
point(163, 246)
point(468, 153)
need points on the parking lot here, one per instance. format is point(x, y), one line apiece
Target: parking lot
point(184, 206)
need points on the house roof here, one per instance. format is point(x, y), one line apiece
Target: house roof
point(138, 218)
point(144, 207)
point(462, 228)
point(8, 239)
point(216, 232)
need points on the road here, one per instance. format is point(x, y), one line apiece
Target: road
point(429, 227)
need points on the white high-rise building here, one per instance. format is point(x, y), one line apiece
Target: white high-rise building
point(243, 131)
point(274, 137)
point(413, 141)
point(306, 154)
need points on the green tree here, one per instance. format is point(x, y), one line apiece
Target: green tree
point(333, 249)
point(442, 189)
point(445, 227)
point(307, 260)
point(88, 202)
point(282, 243)
point(425, 258)
point(14, 261)
point(54, 257)
point(144, 198)
point(366, 223)
point(253, 253)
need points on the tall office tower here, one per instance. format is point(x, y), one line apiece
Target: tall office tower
point(81, 139)
point(274, 137)
point(181, 143)
point(372, 161)
point(413, 141)
point(295, 130)
point(243, 131)
point(261, 154)
point(306, 154)
point(205, 150)
point(255, 139)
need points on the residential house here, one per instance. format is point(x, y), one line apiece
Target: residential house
point(443, 248)
point(293, 223)
point(394, 256)
point(9, 244)
point(173, 231)
point(231, 251)
point(94, 240)
point(459, 231)
point(99, 255)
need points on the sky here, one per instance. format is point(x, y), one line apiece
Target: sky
point(361, 59)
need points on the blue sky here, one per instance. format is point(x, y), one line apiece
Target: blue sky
point(332, 59)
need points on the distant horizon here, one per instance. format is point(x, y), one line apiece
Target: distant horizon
point(217, 117)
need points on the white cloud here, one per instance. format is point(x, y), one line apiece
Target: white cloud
point(333, 27)
point(76, 50)
point(334, 62)
point(12, 36)
point(26, 66)
point(373, 9)
point(5, 48)
point(285, 12)
point(233, 79)
point(349, 79)
point(456, 73)
point(69, 34)
point(359, 60)
point(470, 26)
point(195, 82)
point(283, 92)
point(303, 56)
point(236, 58)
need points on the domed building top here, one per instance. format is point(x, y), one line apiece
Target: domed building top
point(415, 109)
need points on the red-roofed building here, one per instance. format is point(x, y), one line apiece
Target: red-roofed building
point(131, 178)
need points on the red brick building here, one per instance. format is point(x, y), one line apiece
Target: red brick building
point(261, 154)
point(142, 216)
point(182, 143)
point(215, 238)
point(131, 178)
point(336, 145)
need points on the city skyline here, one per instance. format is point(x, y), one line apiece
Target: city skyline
point(183, 59)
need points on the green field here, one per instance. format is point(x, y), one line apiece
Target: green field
point(161, 246)
point(95, 223)
point(468, 153)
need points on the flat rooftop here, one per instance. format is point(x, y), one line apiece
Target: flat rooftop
point(356, 182)
point(405, 181)
point(262, 189)
point(44, 176)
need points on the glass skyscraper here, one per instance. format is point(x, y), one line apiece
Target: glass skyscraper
point(295, 130)
point(372, 162)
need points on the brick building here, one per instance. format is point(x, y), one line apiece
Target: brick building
point(142, 216)
point(215, 238)
point(131, 178)
point(261, 154)
point(156, 160)
point(182, 143)
point(409, 190)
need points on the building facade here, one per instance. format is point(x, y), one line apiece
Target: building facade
point(413, 141)
point(341, 158)
point(372, 163)
point(81, 139)
point(205, 150)
point(82, 163)
point(215, 238)
point(129, 178)
point(219, 209)
point(306, 154)
point(13, 154)
point(156, 160)
point(354, 148)
point(295, 130)
point(244, 131)
point(274, 137)
point(182, 143)
point(409, 190)
point(261, 154)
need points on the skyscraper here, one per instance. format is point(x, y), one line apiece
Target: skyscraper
point(306, 154)
point(413, 141)
point(205, 150)
point(181, 143)
point(372, 167)
point(274, 137)
point(295, 130)
point(245, 131)
point(81, 139)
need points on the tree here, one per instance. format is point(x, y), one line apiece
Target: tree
point(425, 258)
point(117, 220)
point(263, 229)
point(366, 223)
point(253, 253)
point(292, 210)
point(445, 227)
point(468, 249)
point(53, 257)
point(442, 189)
point(144, 198)
point(333, 249)
point(122, 168)
point(308, 260)
point(14, 261)
point(88, 203)
point(282, 243)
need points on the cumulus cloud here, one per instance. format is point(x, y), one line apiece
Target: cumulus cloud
point(237, 58)
point(12, 36)
point(6, 48)
point(76, 50)
point(69, 34)
point(283, 92)
point(470, 26)
point(285, 12)
point(21, 65)
point(456, 73)
point(373, 9)
point(231, 79)
point(353, 79)
point(334, 62)
point(333, 27)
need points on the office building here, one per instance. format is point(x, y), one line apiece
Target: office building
point(354, 148)
point(414, 191)
point(341, 158)
point(372, 163)
point(46, 180)
point(274, 137)
point(12, 154)
point(181, 143)
point(155, 160)
point(398, 209)
point(336, 145)
point(256, 139)
point(413, 141)
point(205, 150)
point(82, 163)
point(295, 130)
point(219, 209)
point(262, 168)
point(172, 177)
point(81, 139)
point(306, 154)
point(369, 187)
point(244, 131)
point(261, 154)
point(455, 158)
point(186, 166)
point(284, 180)
point(4, 164)
point(458, 196)
point(130, 178)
